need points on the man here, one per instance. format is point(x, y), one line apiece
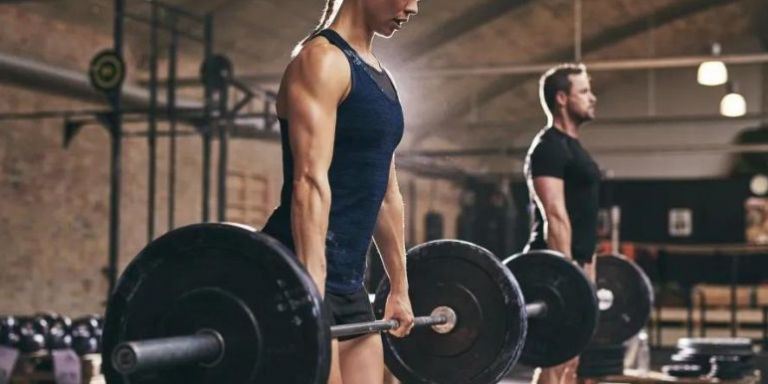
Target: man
point(563, 181)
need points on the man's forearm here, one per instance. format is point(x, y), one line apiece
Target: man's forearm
point(389, 237)
point(559, 236)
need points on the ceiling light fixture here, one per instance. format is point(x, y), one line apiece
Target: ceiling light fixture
point(713, 72)
point(733, 103)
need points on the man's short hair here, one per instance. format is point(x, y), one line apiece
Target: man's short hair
point(554, 80)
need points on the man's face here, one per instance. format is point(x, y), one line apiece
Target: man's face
point(580, 104)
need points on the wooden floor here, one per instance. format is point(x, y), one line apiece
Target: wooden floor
point(659, 357)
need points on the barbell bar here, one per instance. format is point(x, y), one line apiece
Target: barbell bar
point(207, 346)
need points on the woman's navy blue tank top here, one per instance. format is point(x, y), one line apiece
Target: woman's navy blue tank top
point(369, 126)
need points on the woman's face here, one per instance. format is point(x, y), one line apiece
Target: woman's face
point(388, 16)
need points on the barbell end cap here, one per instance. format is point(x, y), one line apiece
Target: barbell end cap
point(604, 299)
point(450, 319)
point(124, 359)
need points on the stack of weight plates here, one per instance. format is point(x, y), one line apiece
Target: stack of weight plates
point(601, 360)
point(682, 370)
point(729, 367)
point(724, 358)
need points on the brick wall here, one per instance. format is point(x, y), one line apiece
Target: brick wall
point(54, 202)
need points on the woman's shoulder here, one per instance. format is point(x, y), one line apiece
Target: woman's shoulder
point(320, 68)
point(321, 54)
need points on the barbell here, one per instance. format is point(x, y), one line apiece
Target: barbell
point(223, 303)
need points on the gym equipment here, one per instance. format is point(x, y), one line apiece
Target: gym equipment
point(682, 370)
point(32, 331)
point(625, 297)
point(213, 303)
point(490, 316)
point(57, 335)
point(9, 335)
point(721, 357)
point(567, 323)
point(86, 334)
point(107, 71)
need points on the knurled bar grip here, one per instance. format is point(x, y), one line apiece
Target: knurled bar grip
point(382, 325)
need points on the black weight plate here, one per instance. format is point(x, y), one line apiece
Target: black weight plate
point(571, 317)
point(740, 370)
point(715, 343)
point(729, 367)
point(490, 326)
point(697, 353)
point(727, 376)
point(688, 358)
point(742, 363)
point(683, 370)
point(106, 71)
point(729, 364)
point(166, 279)
point(628, 311)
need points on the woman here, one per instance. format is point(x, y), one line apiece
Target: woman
point(340, 121)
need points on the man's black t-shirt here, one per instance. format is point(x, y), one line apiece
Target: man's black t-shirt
point(554, 153)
